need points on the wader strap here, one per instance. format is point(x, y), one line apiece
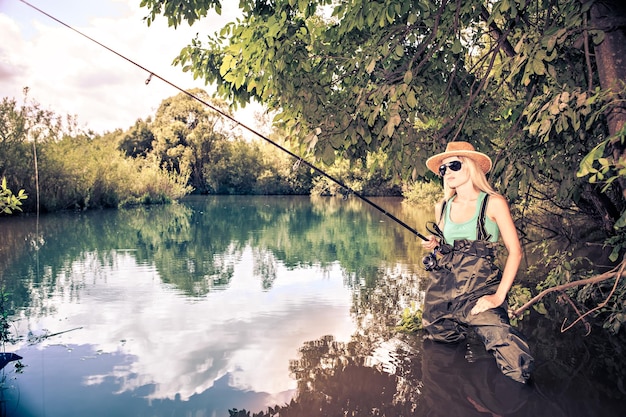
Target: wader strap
point(436, 229)
point(481, 232)
point(443, 211)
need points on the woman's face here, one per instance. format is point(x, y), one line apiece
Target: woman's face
point(454, 178)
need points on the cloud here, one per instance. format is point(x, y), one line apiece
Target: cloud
point(10, 69)
point(69, 74)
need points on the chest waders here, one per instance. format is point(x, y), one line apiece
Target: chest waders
point(465, 273)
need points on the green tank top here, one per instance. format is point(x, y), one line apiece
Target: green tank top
point(468, 230)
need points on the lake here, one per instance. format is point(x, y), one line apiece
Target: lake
point(241, 306)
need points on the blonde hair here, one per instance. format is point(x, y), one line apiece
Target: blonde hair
point(478, 177)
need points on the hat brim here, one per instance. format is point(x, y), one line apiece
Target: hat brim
point(482, 161)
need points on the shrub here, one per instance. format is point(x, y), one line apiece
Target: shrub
point(423, 193)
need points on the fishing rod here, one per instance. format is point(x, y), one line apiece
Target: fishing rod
point(237, 122)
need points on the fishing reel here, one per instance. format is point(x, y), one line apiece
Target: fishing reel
point(430, 261)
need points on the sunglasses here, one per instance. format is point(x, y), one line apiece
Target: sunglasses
point(454, 166)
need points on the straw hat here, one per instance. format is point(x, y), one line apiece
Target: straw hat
point(459, 149)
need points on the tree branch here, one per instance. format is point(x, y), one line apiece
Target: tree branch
point(617, 273)
point(497, 34)
point(581, 316)
point(602, 304)
point(587, 55)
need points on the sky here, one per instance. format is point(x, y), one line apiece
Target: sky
point(71, 75)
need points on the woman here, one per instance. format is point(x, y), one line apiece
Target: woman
point(467, 291)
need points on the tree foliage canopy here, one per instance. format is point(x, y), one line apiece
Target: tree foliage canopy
point(524, 81)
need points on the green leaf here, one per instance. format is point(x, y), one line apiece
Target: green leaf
point(399, 51)
point(541, 309)
point(225, 67)
point(408, 77)
point(551, 43)
point(328, 157)
point(597, 36)
point(621, 222)
point(546, 124)
point(457, 48)
point(614, 254)
point(411, 99)
point(539, 67)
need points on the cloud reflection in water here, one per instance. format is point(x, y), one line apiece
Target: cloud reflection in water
point(180, 346)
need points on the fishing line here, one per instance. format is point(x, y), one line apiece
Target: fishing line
point(299, 159)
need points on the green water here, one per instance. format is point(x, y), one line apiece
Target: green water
point(223, 304)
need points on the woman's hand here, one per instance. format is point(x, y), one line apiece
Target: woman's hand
point(431, 243)
point(486, 302)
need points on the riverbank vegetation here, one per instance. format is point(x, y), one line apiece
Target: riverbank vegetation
point(186, 148)
point(43, 157)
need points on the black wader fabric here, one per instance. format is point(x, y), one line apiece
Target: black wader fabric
point(454, 387)
point(465, 274)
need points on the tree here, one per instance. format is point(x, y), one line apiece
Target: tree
point(528, 82)
point(23, 130)
point(279, 173)
point(138, 140)
point(186, 133)
point(234, 168)
point(610, 16)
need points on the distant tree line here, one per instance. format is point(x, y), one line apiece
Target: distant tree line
point(44, 157)
point(186, 148)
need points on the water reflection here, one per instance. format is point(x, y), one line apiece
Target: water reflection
point(181, 347)
point(253, 304)
point(406, 378)
point(455, 387)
